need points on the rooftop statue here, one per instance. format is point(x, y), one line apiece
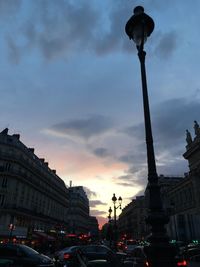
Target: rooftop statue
point(188, 137)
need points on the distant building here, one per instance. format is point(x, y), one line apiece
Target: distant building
point(32, 196)
point(79, 210)
point(131, 222)
point(80, 220)
point(93, 227)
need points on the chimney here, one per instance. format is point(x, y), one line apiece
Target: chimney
point(70, 183)
point(42, 160)
point(46, 163)
point(54, 171)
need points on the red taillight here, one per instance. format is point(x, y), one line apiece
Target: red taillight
point(67, 256)
point(182, 263)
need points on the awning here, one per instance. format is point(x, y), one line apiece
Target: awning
point(44, 236)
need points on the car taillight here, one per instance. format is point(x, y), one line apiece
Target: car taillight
point(67, 256)
point(182, 263)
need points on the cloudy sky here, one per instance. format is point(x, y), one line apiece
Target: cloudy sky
point(70, 85)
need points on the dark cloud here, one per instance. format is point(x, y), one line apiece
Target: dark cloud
point(94, 203)
point(84, 128)
point(101, 152)
point(136, 155)
point(89, 192)
point(14, 52)
point(166, 44)
point(97, 213)
point(170, 119)
point(59, 28)
point(124, 184)
point(133, 178)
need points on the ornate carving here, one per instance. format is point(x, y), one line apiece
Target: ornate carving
point(188, 137)
point(196, 128)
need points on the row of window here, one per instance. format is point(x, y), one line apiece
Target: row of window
point(2, 200)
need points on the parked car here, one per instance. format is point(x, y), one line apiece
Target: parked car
point(90, 253)
point(66, 255)
point(189, 252)
point(138, 256)
point(24, 256)
point(129, 246)
point(195, 261)
point(94, 252)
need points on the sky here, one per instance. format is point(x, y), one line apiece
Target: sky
point(70, 85)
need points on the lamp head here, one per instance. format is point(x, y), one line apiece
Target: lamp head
point(114, 199)
point(139, 26)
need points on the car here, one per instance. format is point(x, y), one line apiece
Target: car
point(190, 252)
point(129, 246)
point(137, 255)
point(96, 252)
point(90, 253)
point(23, 256)
point(67, 256)
point(195, 261)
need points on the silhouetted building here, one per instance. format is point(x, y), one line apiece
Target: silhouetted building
point(32, 196)
point(185, 196)
point(79, 218)
point(131, 222)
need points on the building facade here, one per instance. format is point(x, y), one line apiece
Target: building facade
point(33, 199)
point(131, 223)
point(79, 217)
point(185, 196)
point(32, 196)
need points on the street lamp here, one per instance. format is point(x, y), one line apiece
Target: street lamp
point(109, 230)
point(114, 200)
point(159, 253)
point(109, 214)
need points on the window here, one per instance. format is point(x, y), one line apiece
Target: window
point(2, 198)
point(5, 167)
point(4, 182)
point(89, 249)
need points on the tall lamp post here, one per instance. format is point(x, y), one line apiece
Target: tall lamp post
point(114, 200)
point(110, 232)
point(159, 253)
point(109, 214)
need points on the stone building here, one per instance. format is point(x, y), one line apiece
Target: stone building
point(131, 222)
point(79, 214)
point(180, 196)
point(185, 196)
point(32, 196)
